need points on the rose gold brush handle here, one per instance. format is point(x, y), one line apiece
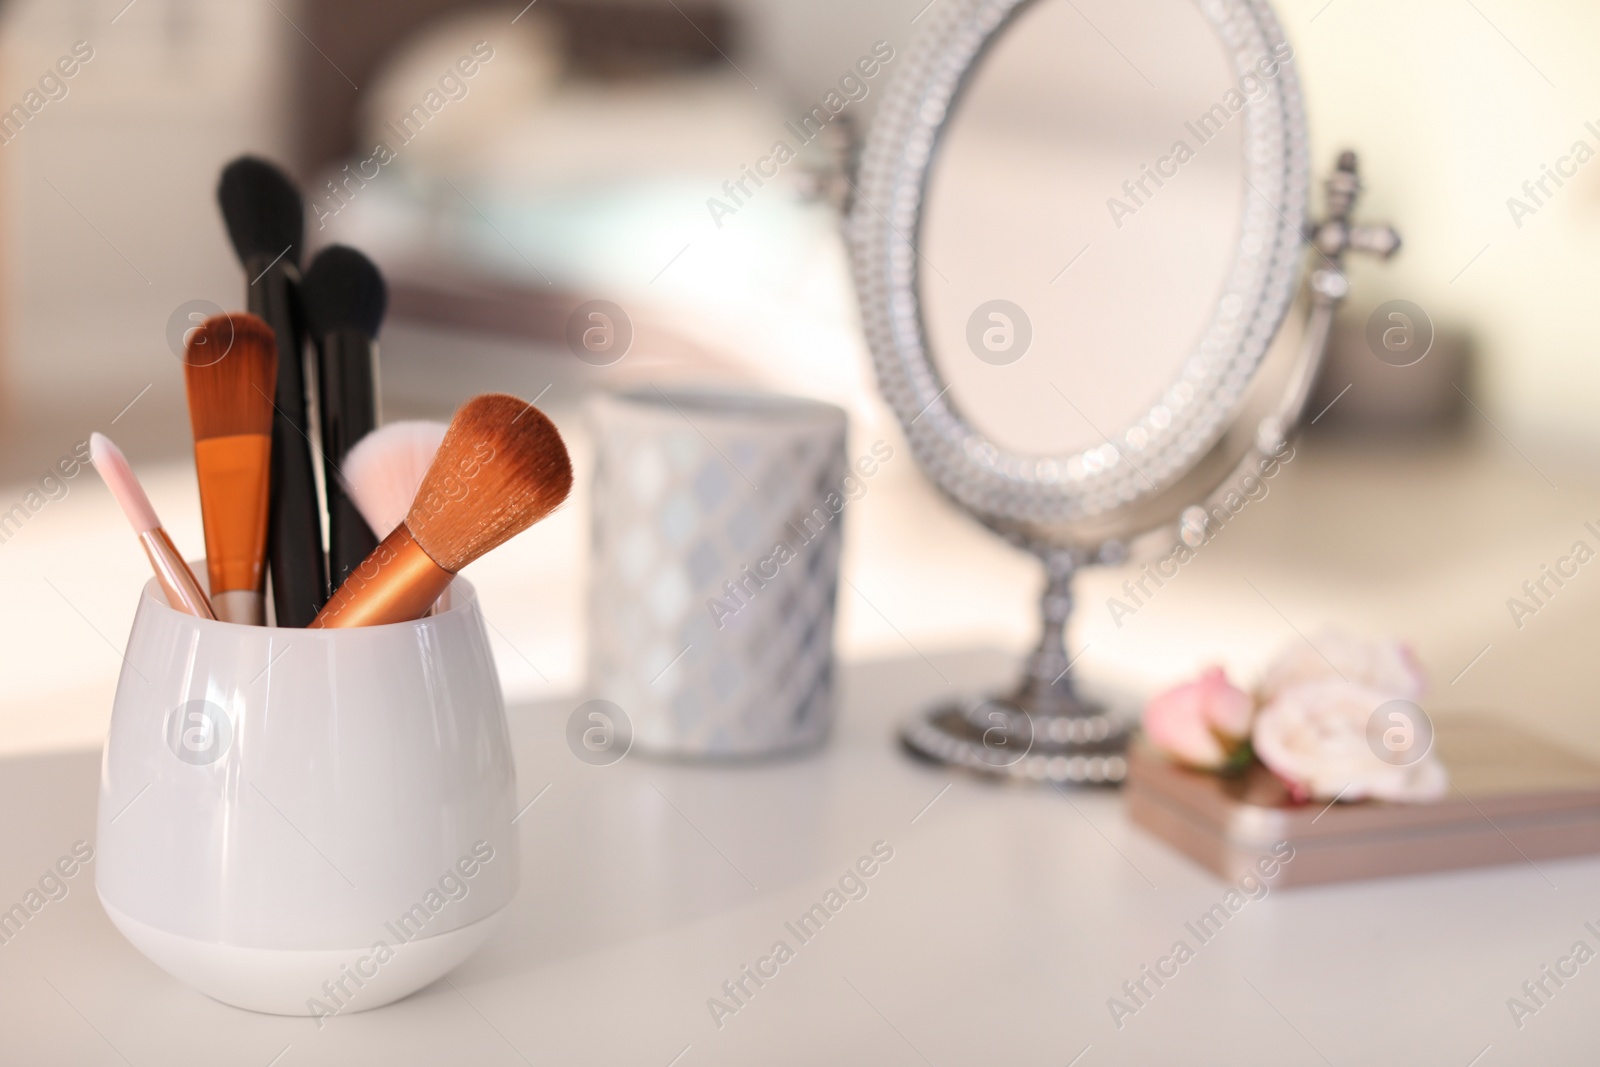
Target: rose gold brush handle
point(177, 580)
point(398, 582)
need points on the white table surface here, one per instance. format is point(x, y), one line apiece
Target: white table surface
point(1005, 920)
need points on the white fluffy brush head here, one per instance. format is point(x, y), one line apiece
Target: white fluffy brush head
point(382, 472)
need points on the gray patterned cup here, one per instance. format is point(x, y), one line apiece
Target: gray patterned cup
point(716, 568)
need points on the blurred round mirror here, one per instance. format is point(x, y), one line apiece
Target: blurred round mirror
point(1077, 229)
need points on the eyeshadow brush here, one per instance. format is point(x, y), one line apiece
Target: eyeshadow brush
point(266, 223)
point(501, 468)
point(177, 580)
point(344, 299)
point(229, 367)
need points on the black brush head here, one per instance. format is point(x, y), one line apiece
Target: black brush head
point(263, 211)
point(343, 290)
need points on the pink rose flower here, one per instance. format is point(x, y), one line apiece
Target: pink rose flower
point(1201, 723)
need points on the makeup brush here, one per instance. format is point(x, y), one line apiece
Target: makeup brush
point(501, 468)
point(266, 223)
point(177, 580)
point(344, 299)
point(383, 472)
point(229, 368)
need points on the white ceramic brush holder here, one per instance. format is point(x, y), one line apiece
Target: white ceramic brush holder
point(276, 804)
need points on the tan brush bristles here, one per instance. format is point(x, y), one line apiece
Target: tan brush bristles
point(230, 370)
point(501, 468)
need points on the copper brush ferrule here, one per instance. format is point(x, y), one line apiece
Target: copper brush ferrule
point(398, 582)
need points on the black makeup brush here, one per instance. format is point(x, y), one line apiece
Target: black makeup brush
point(344, 299)
point(266, 223)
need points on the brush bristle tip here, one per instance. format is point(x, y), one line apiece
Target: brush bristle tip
point(343, 290)
point(501, 468)
point(117, 473)
point(262, 209)
point(231, 375)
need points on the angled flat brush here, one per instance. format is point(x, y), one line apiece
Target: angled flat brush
point(344, 299)
point(266, 223)
point(177, 580)
point(230, 365)
point(501, 468)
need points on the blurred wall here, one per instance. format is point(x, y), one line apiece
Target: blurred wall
point(110, 217)
point(109, 221)
point(1454, 106)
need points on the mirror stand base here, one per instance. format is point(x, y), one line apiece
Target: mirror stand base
point(1042, 731)
point(1066, 749)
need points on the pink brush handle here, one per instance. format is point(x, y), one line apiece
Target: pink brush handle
point(177, 580)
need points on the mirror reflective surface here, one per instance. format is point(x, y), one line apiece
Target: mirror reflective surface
point(1113, 237)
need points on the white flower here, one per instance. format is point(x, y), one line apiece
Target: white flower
point(1386, 666)
point(1314, 735)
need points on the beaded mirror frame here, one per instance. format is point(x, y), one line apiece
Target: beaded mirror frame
point(1152, 454)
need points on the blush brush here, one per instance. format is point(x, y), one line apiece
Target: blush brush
point(501, 468)
point(344, 299)
point(229, 370)
point(266, 223)
point(384, 470)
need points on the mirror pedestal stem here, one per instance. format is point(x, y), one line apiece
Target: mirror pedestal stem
point(1042, 730)
point(1047, 688)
